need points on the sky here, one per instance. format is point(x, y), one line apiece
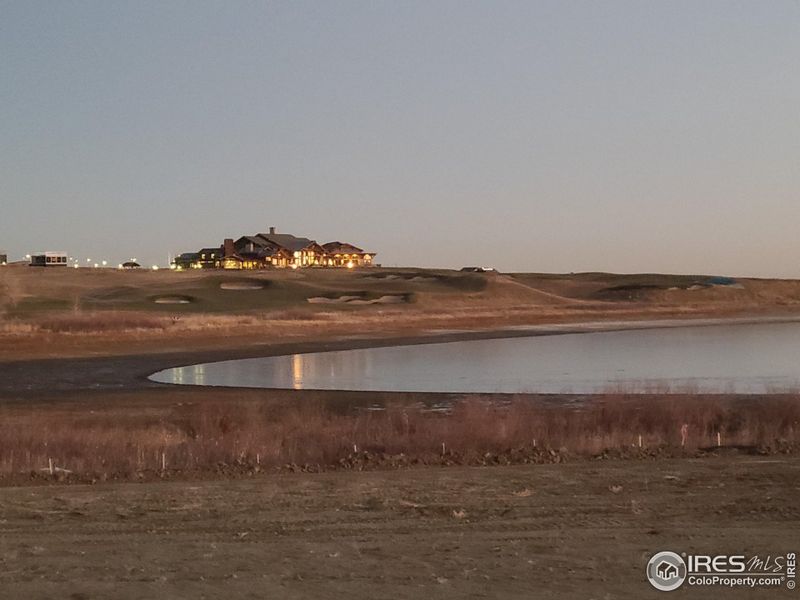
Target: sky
point(548, 136)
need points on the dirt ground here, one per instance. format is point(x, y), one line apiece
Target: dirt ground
point(580, 530)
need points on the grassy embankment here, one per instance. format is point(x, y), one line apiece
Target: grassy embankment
point(60, 313)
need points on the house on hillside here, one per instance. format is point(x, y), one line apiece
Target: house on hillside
point(259, 253)
point(209, 258)
point(340, 254)
point(274, 250)
point(303, 251)
point(187, 260)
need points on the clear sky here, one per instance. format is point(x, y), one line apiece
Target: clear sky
point(537, 136)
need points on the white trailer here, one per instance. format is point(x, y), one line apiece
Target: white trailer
point(49, 259)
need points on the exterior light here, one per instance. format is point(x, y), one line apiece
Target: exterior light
point(155, 267)
point(96, 265)
point(119, 266)
point(75, 265)
point(350, 265)
point(105, 262)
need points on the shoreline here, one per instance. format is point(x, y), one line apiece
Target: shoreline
point(26, 379)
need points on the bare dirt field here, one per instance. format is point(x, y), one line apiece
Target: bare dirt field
point(582, 530)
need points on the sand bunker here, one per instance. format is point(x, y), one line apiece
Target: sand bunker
point(358, 300)
point(241, 285)
point(402, 277)
point(173, 300)
point(390, 300)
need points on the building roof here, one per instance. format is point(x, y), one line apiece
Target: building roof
point(342, 248)
point(258, 243)
point(131, 264)
point(252, 239)
point(290, 242)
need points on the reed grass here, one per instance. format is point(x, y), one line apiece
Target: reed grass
point(223, 437)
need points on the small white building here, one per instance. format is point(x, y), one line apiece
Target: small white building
point(49, 259)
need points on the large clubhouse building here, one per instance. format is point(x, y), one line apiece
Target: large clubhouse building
point(275, 250)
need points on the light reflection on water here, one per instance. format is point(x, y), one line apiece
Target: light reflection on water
point(745, 358)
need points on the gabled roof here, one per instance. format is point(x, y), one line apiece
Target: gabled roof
point(288, 241)
point(251, 239)
point(257, 243)
point(214, 250)
point(342, 247)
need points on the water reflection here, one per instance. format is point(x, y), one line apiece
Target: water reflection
point(198, 374)
point(747, 358)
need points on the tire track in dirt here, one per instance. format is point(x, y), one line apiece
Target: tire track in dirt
point(572, 530)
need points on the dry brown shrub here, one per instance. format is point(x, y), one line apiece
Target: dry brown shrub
point(100, 322)
point(212, 435)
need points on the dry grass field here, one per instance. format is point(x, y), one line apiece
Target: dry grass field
point(84, 312)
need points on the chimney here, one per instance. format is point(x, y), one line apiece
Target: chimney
point(272, 231)
point(227, 248)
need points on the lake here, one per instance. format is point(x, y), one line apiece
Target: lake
point(740, 358)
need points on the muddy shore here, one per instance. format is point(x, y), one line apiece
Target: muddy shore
point(49, 379)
